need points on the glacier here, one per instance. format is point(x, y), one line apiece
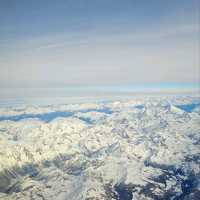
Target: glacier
point(142, 149)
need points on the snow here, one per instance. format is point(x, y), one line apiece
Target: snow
point(144, 148)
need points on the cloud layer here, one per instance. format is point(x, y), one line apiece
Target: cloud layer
point(114, 43)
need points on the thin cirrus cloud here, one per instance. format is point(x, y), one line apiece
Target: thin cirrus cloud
point(111, 52)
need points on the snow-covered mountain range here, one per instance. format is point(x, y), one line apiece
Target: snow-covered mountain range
point(141, 149)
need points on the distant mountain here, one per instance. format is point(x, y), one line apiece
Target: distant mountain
point(141, 149)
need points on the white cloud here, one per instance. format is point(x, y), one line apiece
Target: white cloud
point(155, 55)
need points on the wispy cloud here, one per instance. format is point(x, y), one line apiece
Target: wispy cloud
point(106, 53)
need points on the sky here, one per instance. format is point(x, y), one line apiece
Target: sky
point(48, 43)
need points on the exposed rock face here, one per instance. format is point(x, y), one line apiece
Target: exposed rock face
point(139, 149)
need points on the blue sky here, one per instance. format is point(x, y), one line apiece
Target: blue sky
point(46, 43)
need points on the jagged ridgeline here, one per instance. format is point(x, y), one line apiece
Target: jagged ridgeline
point(141, 149)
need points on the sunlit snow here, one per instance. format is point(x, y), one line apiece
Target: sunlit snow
point(139, 149)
